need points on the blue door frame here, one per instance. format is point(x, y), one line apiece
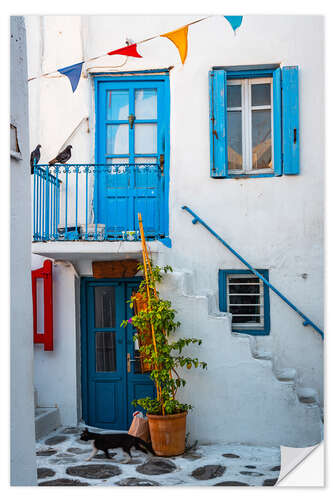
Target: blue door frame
point(107, 394)
point(118, 198)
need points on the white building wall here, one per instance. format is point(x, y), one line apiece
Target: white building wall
point(275, 223)
point(22, 426)
point(56, 378)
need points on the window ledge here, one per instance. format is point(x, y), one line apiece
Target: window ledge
point(249, 176)
point(250, 331)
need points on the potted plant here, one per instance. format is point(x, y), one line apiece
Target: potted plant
point(166, 415)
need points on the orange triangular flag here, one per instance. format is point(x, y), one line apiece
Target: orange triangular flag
point(179, 38)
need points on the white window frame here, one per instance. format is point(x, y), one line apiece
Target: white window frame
point(246, 109)
point(247, 326)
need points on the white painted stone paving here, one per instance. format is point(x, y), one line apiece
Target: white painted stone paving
point(250, 465)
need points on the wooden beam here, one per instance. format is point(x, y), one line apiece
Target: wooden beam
point(115, 268)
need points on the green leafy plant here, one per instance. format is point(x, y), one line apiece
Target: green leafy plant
point(163, 355)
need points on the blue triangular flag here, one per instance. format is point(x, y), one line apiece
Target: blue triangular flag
point(235, 21)
point(73, 72)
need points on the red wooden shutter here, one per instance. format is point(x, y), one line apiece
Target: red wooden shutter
point(44, 273)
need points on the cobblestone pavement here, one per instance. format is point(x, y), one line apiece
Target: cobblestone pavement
point(61, 461)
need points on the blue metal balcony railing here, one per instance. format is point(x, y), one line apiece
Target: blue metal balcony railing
point(306, 320)
point(66, 204)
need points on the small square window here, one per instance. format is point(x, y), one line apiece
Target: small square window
point(246, 297)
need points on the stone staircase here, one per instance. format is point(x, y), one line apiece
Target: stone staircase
point(46, 419)
point(243, 396)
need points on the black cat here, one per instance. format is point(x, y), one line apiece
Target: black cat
point(106, 442)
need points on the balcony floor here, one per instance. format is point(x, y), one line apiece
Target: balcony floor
point(75, 251)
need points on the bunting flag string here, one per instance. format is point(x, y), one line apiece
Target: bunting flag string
point(178, 37)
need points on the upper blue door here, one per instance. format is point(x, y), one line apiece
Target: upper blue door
point(111, 370)
point(132, 139)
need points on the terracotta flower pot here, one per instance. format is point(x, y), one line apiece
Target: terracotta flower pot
point(168, 434)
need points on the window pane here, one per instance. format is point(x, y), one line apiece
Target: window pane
point(145, 138)
point(146, 104)
point(118, 161)
point(238, 299)
point(256, 320)
point(234, 97)
point(247, 279)
point(245, 300)
point(104, 307)
point(146, 161)
point(116, 139)
point(243, 288)
point(117, 105)
point(261, 94)
point(261, 139)
point(235, 159)
point(105, 352)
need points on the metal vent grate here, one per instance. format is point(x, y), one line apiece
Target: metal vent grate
point(245, 300)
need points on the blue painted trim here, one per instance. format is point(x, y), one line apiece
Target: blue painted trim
point(166, 193)
point(223, 274)
point(290, 120)
point(218, 119)
point(248, 176)
point(166, 241)
point(122, 77)
point(249, 67)
point(101, 74)
point(84, 351)
point(232, 75)
point(277, 122)
point(306, 322)
point(211, 122)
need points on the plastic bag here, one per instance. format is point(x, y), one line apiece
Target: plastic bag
point(139, 427)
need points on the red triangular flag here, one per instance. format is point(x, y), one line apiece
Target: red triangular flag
point(130, 50)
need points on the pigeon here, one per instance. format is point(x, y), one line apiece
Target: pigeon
point(62, 157)
point(35, 157)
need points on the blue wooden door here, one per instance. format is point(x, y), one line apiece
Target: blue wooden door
point(111, 374)
point(132, 115)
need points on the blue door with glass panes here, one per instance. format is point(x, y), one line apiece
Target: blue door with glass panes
point(132, 118)
point(111, 369)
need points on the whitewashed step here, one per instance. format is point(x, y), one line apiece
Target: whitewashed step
point(242, 397)
point(307, 395)
point(286, 374)
point(46, 421)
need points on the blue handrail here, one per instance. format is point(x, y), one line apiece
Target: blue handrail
point(306, 321)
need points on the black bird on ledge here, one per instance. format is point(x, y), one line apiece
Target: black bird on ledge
point(35, 157)
point(62, 157)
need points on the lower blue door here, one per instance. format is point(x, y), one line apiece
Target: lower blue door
point(111, 372)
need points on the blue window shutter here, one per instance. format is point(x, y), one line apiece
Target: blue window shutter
point(290, 120)
point(277, 123)
point(218, 123)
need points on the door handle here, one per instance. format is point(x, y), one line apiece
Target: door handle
point(129, 361)
point(131, 119)
point(162, 164)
